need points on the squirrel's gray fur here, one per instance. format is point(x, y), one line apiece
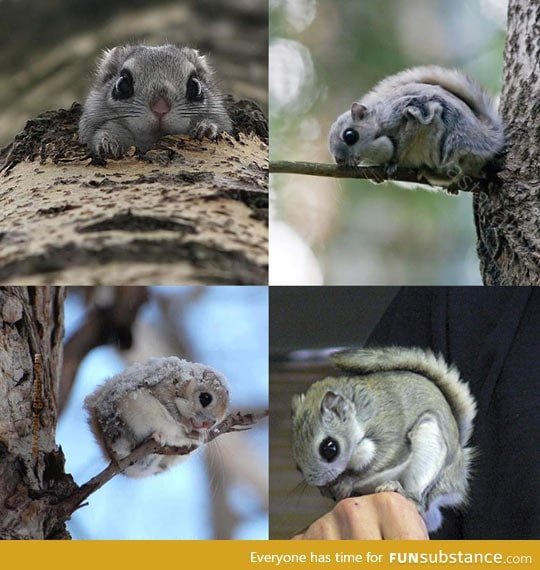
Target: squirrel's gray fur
point(159, 104)
point(174, 401)
point(399, 419)
point(436, 119)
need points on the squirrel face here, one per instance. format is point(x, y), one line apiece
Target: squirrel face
point(202, 405)
point(354, 138)
point(145, 92)
point(331, 442)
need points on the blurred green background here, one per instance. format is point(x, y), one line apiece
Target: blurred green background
point(323, 56)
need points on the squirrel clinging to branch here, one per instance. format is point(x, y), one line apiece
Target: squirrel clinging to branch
point(171, 400)
point(435, 119)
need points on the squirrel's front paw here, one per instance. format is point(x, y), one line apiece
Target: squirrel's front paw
point(205, 129)
point(390, 169)
point(396, 487)
point(391, 486)
point(161, 437)
point(104, 146)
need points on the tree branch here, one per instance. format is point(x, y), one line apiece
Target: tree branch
point(378, 174)
point(234, 422)
point(169, 220)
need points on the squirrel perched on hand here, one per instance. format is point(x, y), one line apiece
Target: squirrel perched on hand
point(436, 119)
point(171, 400)
point(398, 419)
point(143, 93)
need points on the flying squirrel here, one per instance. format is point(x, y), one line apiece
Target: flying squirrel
point(396, 419)
point(172, 400)
point(430, 118)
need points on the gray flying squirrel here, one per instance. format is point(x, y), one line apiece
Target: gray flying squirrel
point(142, 93)
point(398, 419)
point(438, 120)
point(174, 401)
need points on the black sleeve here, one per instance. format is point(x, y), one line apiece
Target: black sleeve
point(407, 321)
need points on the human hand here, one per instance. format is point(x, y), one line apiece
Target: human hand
point(382, 516)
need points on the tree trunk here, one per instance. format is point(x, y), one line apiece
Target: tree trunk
point(31, 465)
point(187, 212)
point(508, 221)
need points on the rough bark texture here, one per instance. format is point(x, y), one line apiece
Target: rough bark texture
point(508, 222)
point(31, 322)
point(187, 212)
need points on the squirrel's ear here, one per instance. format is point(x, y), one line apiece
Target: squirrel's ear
point(296, 403)
point(199, 61)
point(334, 404)
point(111, 61)
point(358, 111)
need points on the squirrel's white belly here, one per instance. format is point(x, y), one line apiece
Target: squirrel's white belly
point(145, 415)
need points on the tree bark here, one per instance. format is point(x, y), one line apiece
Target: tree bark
point(31, 465)
point(187, 212)
point(508, 221)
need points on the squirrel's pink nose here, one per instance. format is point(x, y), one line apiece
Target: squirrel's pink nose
point(160, 106)
point(202, 424)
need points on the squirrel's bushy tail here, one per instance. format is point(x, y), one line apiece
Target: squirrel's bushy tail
point(419, 361)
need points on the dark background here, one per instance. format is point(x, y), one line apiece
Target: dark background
point(322, 317)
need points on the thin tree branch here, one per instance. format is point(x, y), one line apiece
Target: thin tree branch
point(234, 422)
point(377, 174)
point(238, 421)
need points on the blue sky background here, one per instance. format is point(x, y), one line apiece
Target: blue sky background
point(228, 328)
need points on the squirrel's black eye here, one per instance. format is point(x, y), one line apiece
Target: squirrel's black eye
point(350, 136)
point(123, 88)
point(205, 399)
point(194, 90)
point(329, 449)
